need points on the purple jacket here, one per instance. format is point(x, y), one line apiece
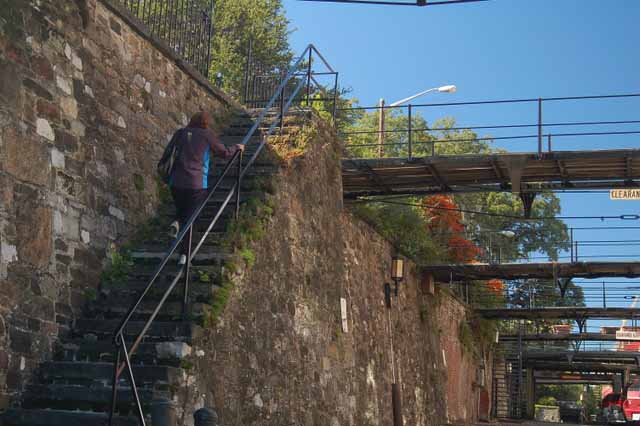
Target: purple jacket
point(195, 147)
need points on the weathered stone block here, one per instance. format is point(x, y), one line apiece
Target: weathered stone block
point(20, 341)
point(9, 84)
point(42, 68)
point(21, 153)
point(69, 107)
point(47, 110)
point(44, 129)
point(65, 141)
point(33, 227)
point(37, 89)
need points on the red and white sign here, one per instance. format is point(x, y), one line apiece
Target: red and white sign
point(627, 335)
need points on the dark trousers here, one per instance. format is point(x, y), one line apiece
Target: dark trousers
point(187, 202)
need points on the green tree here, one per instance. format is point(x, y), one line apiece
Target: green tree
point(542, 234)
point(236, 22)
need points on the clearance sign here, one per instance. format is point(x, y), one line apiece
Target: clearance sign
point(624, 194)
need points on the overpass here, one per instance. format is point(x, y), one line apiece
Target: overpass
point(514, 271)
point(558, 378)
point(518, 172)
point(569, 337)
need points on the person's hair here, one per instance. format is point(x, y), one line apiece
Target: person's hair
point(200, 119)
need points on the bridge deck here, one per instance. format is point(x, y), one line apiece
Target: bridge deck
point(491, 172)
point(512, 271)
point(550, 337)
point(558, 313)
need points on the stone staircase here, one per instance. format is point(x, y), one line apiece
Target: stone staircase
point(74, 388)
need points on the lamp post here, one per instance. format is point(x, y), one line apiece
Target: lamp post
point(506, 234)
point(449, 88)
point(397, 275)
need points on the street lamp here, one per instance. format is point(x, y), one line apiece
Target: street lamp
point(506, 234)
point(449, 88)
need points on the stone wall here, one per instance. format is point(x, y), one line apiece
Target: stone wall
point(280, 354)
point(86, 105)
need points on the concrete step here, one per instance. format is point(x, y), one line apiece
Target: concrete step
point(21, 417)
point(89, 398)
point(101, 373)
point(168, 353)
point(159, 331)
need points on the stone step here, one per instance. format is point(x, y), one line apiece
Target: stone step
point(168, 353)
point(159, 331)
point(101, 373)
point(241, 129)
point(21, 417)
point(94, 398)
point(171, 310)
point(206, 256)
point(141, 274)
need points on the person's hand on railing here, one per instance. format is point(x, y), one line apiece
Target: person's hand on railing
point(240, 147)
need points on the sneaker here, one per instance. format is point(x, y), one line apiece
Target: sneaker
point(174, 228)
point(182, 260)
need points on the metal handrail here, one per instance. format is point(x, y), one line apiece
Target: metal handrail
point(427, 138)
point(258, 94)
point(187, 232)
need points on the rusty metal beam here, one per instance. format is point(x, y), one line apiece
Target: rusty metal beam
point(549, 337)
point(512, 271)
point(484, 172)
point(569, 312)
point(437, 177)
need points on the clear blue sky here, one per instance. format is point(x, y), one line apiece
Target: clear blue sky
point(499, 49)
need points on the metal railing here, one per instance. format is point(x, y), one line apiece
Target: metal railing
point(413, 137)
point(186, 26)
point(260, 81)
point(123, 352)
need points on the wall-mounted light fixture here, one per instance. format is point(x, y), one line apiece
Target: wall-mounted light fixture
point(397, 271)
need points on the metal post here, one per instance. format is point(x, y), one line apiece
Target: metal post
point(397, 405)
point(247, 66)
point(549, 142)
point(539, 126)
point(238, 182)
point(282, 108)
point(114, 386)
point(395, 392)
point(132, 380)
point(163, 412)
point(410, 133)
point(187, 276)
point(309, 78)
point(335, 100)
point(211, 16)
point(381, 129)
point(571, 242)
point(576, 250)
point(604, 296)
point(519, 381)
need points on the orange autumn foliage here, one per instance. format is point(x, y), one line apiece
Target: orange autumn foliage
point(495, 285)
point(446, 221)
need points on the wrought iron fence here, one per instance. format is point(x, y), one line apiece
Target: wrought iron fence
point(186, 26)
